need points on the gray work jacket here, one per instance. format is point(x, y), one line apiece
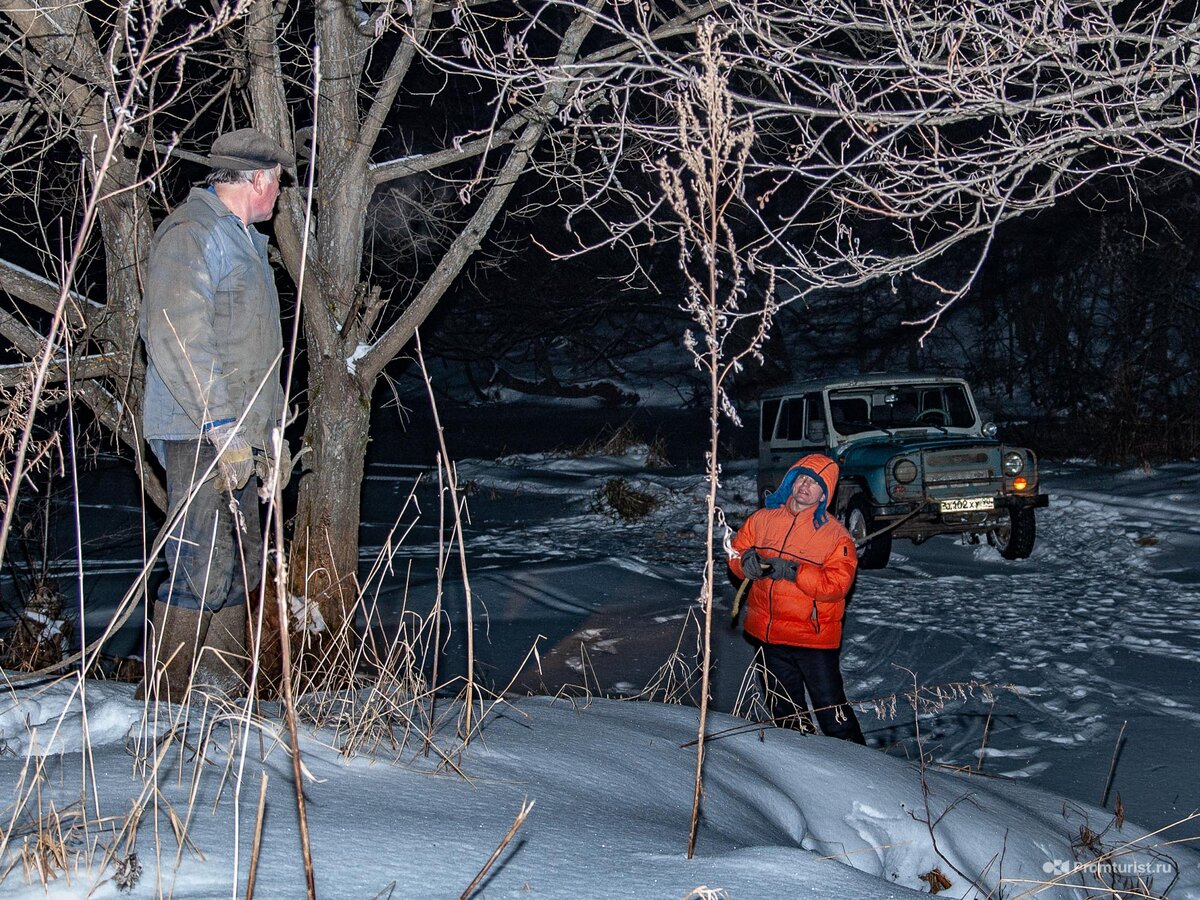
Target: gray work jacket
point(210, 321)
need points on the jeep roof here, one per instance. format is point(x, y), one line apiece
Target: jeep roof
point(852, 381)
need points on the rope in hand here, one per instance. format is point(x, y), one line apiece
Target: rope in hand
point(741, 593)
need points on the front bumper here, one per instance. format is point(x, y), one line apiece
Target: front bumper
point(924, 519)
point(930, 507)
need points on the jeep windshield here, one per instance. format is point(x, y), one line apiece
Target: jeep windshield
point(886, 408)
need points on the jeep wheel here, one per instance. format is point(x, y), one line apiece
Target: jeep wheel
point(859, 522)
point(1015, 539)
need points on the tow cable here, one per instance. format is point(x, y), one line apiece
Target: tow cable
point(862, 542)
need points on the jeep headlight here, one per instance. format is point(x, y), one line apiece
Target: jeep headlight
point(1013, 463)
point(904, 471)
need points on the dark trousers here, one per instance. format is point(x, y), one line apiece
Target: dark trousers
point(791, 671)
point(208, 550)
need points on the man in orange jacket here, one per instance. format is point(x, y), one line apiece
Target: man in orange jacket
point(802, 564)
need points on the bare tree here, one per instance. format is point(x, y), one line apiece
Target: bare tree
point(352, 326)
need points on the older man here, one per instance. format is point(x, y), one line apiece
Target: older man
point(210, 322)
point(802, 564)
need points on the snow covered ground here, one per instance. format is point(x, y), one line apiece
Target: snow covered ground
point(1091, 648)
point(1098, 633)
point(610, 783)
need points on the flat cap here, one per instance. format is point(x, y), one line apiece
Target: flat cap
point(246, 149)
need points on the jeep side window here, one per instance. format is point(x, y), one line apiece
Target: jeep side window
point(791, 421)
point(815, 431)
point(770, 412)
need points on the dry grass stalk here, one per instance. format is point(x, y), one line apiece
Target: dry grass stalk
point(522, 815)
point(57, 842)
point(38, 638)
point(1112, 766)
point(258, 831)
point(676, 679)
point(16, 411)
point(758, 695)
point(928, 819)
point(367, 690)
point(703, 190)
point(1122, 872)
point(457, 541)
point(375, 688)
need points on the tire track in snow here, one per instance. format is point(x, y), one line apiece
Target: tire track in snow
point(1086, 629)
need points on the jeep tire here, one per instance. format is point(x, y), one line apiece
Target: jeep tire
point(1015, 539)
point(860, 523)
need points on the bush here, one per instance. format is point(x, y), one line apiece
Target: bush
point(621, 442)
point(618, 497)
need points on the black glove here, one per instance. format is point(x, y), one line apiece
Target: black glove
point(752, 565)
point(783, 570)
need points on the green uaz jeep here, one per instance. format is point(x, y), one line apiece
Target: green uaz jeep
point(915, 459)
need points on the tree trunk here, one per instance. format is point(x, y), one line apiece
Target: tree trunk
point(323, 566)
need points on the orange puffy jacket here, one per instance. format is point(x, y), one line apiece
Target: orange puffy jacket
point(806, 612)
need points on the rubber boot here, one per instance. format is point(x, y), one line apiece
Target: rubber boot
point(174, 636)
point(221, 669)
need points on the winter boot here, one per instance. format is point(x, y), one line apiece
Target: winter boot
point(175, 634)
point(221, 669)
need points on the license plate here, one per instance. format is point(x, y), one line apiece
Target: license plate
point(967, 504)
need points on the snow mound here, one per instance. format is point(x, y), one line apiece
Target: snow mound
point(783, 814)
point(776, 790)
point(49, 720)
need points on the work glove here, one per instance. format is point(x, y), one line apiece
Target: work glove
point(236, 460)
point(783, 570)
point(752, 565)
point(263, 464)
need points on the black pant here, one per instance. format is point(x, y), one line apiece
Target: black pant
point(793, 670)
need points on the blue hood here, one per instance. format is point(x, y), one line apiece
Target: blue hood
point(822, 470)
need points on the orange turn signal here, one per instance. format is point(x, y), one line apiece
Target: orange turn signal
point(1019, 484)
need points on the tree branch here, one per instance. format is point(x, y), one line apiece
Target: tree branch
point(83, 368)
point(43, 293)
point(464, 246)
point(390, 84)
point(503, 134)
